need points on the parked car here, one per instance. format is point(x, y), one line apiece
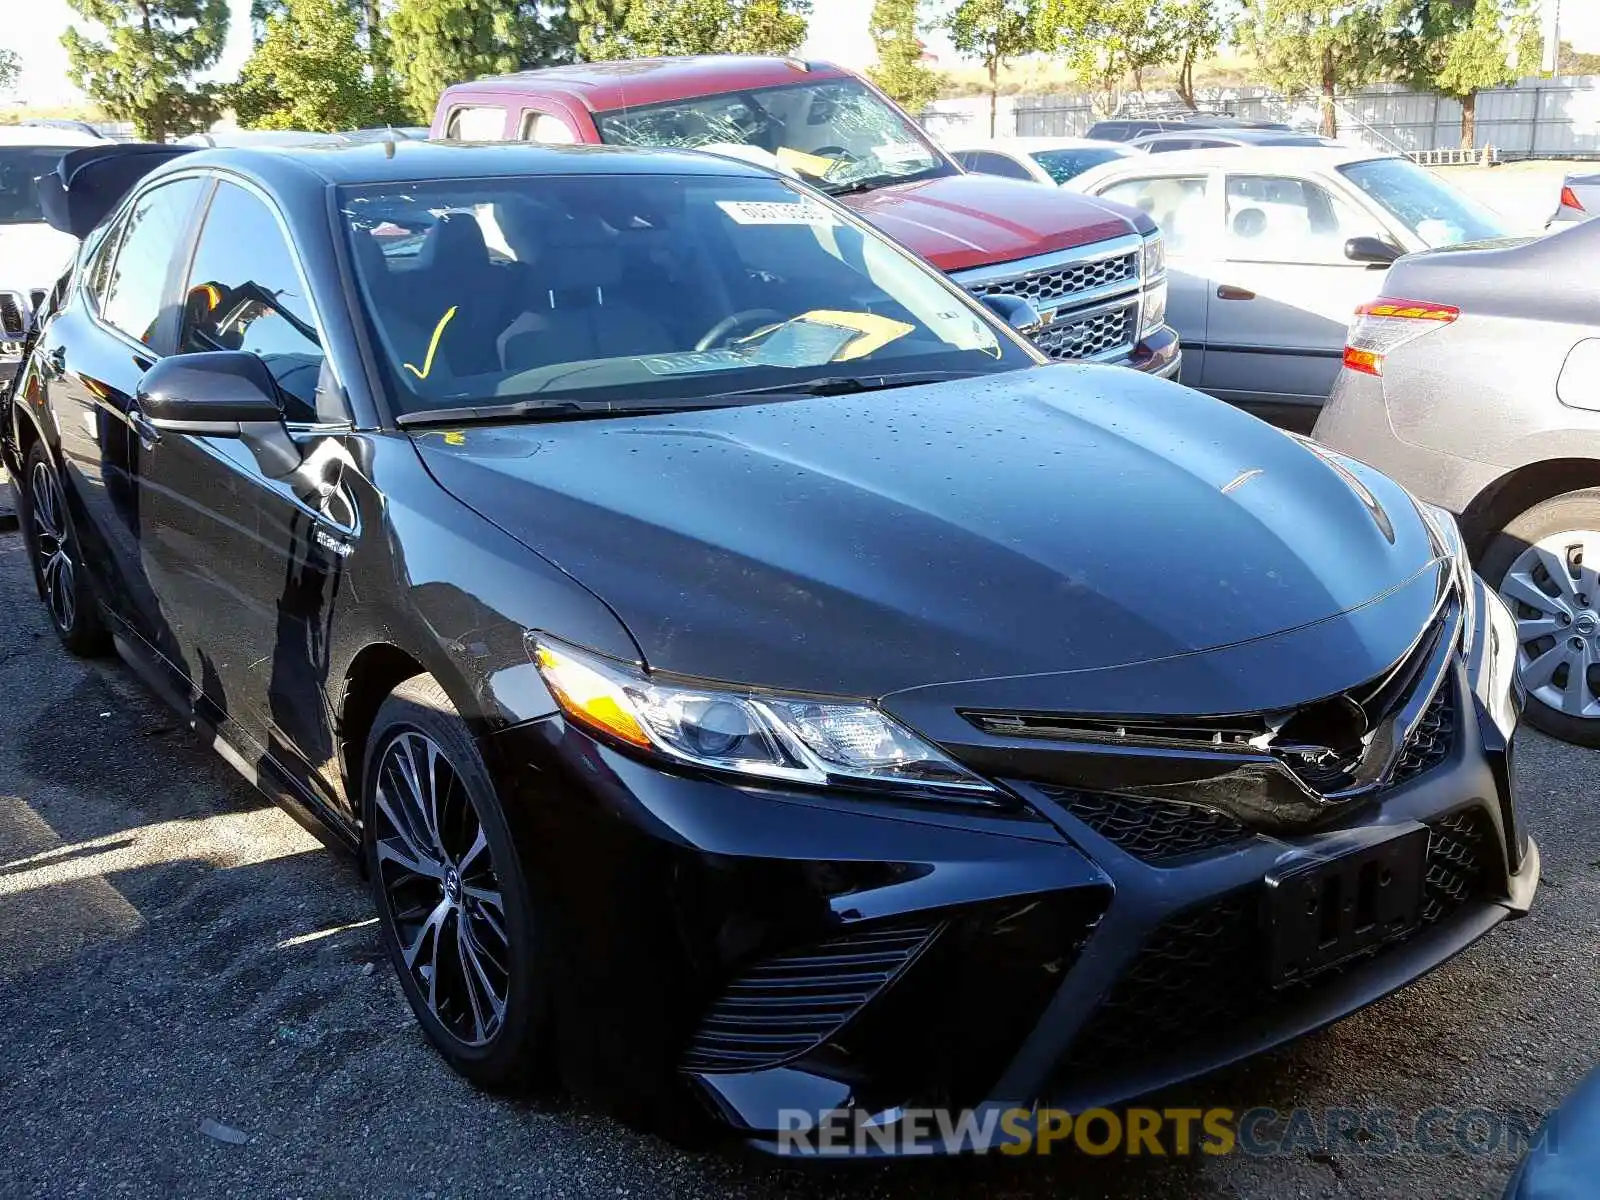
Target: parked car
point(736, 654)
point(1478, 387)
point(32, 254)
point(1045, 160)
point(1096, 277)
point(1125, 129)
point(1270, 251)
point(1216, 139)
point(1579, 199)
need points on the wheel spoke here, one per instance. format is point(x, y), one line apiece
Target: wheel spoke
point(405, 854)
point(480, 844)
point(1542, 669)
point(431, 924)
point(480, 989)
point(1534, 628)
point(1518, 586)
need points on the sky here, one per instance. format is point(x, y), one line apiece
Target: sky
point(838, 33)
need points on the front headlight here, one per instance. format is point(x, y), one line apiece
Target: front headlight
point(1153, 271)
point(1155, 308)
point(1447, 541)
point(748, 732)
point(1155, 256)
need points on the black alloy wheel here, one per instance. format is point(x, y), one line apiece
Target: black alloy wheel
point(57, 561)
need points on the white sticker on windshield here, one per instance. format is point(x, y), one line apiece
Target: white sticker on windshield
point(901, 152)
point(767, 212)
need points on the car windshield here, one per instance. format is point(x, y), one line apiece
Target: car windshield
point(838, 133)
point(1062, 165)
point(20, 168)
point(1431, 209)
point(643, 291)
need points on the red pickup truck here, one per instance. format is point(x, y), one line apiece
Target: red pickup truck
point(1094, 269)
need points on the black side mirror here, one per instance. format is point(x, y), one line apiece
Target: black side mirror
point(1373, 251)
point(221, 393)
point(1016, 311)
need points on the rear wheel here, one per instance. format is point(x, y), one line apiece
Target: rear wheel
point(458, 919)
point(1546, 567)
point(58, 568)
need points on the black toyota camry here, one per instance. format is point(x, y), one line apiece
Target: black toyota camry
point(755, 683)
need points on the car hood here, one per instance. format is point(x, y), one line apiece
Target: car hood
point(961, 221)
point(32, 257)
point(1061, 518)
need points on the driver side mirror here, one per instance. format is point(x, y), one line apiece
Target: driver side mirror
point(1372, 251)
point(220, 393)
point(1017, 312)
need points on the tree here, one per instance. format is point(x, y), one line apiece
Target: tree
point(310, 72)
point(10, 69)
point(993, 31)
point(1200, 28)
point(1317, 46)
point(609, 29)
point(1456, 47)
point(1574, 62)
point(440, 42)
point(899, 69)
point(141, 71)
point(1106, 41)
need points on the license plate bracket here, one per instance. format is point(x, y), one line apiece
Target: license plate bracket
point(1325, 912)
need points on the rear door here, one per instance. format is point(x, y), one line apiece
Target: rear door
point(1283, 290)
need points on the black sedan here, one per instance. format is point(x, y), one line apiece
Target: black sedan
point(755, 682)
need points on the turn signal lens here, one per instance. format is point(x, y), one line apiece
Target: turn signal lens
point(1384, 325)
point(1569, 199)
point(589, 696)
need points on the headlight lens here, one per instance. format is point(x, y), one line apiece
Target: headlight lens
point(1447, 540)
point(1153, 270)
point(759, 734)
point(1155, 256)
point(1155, 308)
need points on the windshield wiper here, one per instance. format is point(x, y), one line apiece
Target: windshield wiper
point(848, 385)
point(540, 410)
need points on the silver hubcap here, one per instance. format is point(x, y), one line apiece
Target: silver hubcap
point(50, 543)
point(1553, 590)
point(443, 895)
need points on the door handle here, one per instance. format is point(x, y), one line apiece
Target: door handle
point(142, 425)
point(1227, 291)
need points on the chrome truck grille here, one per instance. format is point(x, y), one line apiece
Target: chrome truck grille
point(1088, 296)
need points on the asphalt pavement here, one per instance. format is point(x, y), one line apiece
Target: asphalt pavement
point(193, 1003)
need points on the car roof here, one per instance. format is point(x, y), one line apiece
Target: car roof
point(604, 86)
point(46, 135)
point(1029, 145)
point(1248, 158)
point(1240, 137)
point(405, 160)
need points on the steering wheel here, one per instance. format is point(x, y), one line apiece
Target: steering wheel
point(719, 332)
point(838, 152)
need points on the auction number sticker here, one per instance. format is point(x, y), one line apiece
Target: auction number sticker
point(772, 212)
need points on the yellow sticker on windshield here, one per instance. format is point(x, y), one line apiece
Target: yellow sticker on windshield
point(433, 345)
point(816, 165)
point(875, 332)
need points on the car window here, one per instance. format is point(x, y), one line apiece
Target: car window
point(547, 129)
point(1178, 204)
point(1436, 213)
point(1163, 145)
point(98, 272)
point(244, 293)
point(20, 168)
point(481, 123)
point(136, 284)
point(1274, 218)
point(1065, 164)
point(987, 162)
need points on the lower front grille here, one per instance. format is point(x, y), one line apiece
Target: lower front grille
point(1432, 740)
point(1071, 337)
point(1204, 968)
point(791, 1003)
point(1147, 828)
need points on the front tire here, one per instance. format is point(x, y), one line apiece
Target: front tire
point(58, 566)
point(1546, 566)
point(458, 918)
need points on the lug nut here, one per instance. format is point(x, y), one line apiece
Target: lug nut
point(1566, 618)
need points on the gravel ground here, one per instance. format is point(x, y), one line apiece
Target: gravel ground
point(173, 951)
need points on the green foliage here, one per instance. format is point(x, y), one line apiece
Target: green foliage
point(993, 31)
point(1571, 62)
point(309, 72)
point(1106, 41)
point(10, 68)
point(1317, 46)
point(140, 70)
point(610, 29)
point(1456, 47)
point(1199, 28)
point(435, 43)
point(899, 70)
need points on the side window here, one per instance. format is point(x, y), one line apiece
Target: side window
point(1177, 203)
point(1279, 219)
point(485, 123)
point(244, 293)
point(1166, 144)
point(137, 279)
point(98, 271)
point(990, 163)
point(547, 129)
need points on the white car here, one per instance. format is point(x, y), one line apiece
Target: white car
point(32, 255)
point(1048, 160)
point(1271, 249)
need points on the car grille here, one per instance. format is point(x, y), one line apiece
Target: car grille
point(1046, 288)
point(1432, 740)
point(1094, 335)
point(1147, 828)
point(1094, 300)
point(790, 1003)
point(1202, 969)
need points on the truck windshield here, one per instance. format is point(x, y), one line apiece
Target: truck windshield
point(643, 291)
point(835, 133)
point(20, 168)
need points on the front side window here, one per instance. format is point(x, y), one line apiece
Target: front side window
point(1434, 212)
point(987, 162)
point(1064, 164)
point(837, 133)
point(244, 293)
point(642, 290)
point(20, 168)
point(1178, 204)
point(1275, 218)
point(136, 283)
